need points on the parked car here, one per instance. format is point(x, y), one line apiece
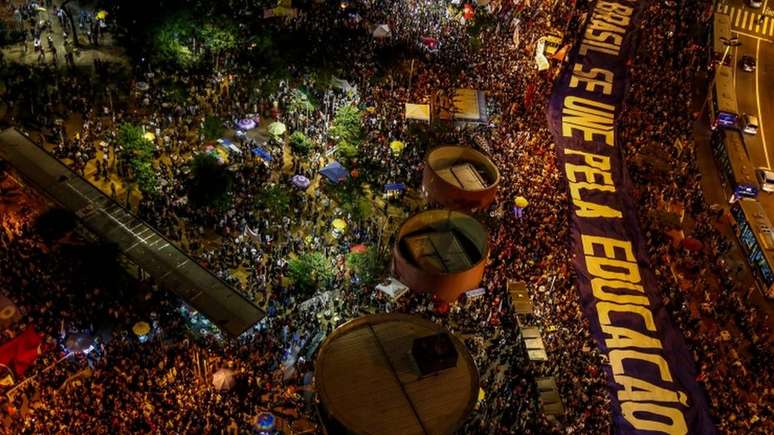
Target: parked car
point(749, 124)
point(755, 4)
point(765, 179)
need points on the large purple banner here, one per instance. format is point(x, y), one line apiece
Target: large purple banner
point(651, 373)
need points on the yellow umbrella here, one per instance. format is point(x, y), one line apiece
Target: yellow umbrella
point(149, 136)
point(141, 329)
point(481, 394)
point(101, 15)
point(521, 202)
point(397, 146)
point(339, 224)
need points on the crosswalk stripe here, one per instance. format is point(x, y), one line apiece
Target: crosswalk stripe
point(771, 27)
point(765, 24)
point(744, 20)
point(738, 16)
point(752, 21)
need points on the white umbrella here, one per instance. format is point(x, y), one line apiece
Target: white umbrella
point(382, 31)
point(223, 379)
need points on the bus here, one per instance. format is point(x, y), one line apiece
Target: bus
point(734, 163)
point(757, 239)
point(721, 31)
point(724, 111)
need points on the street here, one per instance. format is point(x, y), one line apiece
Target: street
point(755, 96)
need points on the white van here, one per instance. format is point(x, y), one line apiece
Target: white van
point(755, 4)
point(765, 179)
point(750, 124)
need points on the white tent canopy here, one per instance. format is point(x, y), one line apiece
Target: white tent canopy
point(382, 31)
point(393, 288)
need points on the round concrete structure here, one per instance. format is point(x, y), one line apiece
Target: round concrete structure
point(368, 382)
point(460, 178)
point(443, 252)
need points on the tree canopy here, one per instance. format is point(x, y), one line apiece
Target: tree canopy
point(137, 153)
point(311, 271)
point(210, 183)
point(300, 143)
point(274, 200)
point(368, 266)
point(213, 128)
point(347, 125)
point(183, 39)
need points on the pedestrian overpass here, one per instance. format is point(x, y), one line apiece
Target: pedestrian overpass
point(172, 269)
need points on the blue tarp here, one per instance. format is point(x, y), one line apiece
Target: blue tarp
point(335, 172)
point(394, 186)
point(262, 153)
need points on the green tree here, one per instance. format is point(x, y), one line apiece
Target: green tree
point(173, 41)
point(219, 38)
point(137, 154)
point(350, 198)
point(368, 266)
point(213, 128)
point(299, 102)
point(210, 183)
point(311, 271)
point(347, 125)
point(347, 151)
point(300, 143)
point(274, 200)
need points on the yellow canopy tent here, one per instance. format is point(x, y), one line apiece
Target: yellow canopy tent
point(418, 111)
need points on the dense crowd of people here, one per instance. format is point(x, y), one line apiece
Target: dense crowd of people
point(164, 384)
point(660, 121)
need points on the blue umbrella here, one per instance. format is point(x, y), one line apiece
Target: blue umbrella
point(262, 153)
point(265, 421)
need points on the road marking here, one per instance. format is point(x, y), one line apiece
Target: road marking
point(765, 25)
point(758, 103)
point(749, 35)
point(744, 20)
point(733, 70)
point(738, 16)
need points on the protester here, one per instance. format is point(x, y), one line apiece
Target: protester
point(162, 384)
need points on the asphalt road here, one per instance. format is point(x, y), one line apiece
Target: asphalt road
point(755, 90)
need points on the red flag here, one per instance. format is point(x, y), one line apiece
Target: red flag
point(21, 352)
point(528, 94)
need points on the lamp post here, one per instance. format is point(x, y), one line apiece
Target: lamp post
point(728, 42)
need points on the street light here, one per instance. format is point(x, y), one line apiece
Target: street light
point(728, 42)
